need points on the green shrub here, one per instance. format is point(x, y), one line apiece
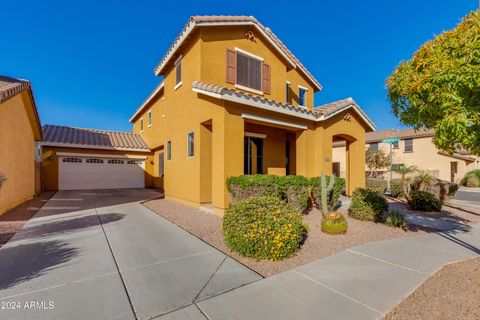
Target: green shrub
point(334, 223)
point(263, 228)
point(334, 195)
point(368, 205)
point(471, 179)
point(424, 201)
point(396, 190)
point(376, 184)
point(396, 219)
point(246, 186)
point(296, 190)
point(442, 189)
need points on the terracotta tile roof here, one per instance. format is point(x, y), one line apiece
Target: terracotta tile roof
point(217, 89)
point(10, 87)
point(98, 139)
point(316, 114)
point(402, 134)
point(195, 21)
point(457, 156)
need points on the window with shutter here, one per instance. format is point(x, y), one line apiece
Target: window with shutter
point(231, 66)
point(249, 72)
point(266, 78)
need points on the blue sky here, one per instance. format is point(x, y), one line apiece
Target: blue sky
point(91, 62)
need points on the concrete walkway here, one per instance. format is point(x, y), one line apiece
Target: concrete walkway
point(363, 282)
point(103, 255)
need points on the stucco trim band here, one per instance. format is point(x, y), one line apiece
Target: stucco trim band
point(274, 121)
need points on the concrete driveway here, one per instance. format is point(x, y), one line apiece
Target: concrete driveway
point(102, 255)
point(467, 196)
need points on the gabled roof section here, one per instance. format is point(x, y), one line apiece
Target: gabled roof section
point(63, 136)
point(316, 114)
point(199, 21)
point(10, 87)
point(402, 134)
point(147, 101)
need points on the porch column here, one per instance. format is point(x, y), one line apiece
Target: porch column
point(227, 154)
point(305, 155)
point(355, 162)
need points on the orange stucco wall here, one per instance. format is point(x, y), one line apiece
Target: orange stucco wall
point(219, 127)
point(50, 164)
point(17, 151)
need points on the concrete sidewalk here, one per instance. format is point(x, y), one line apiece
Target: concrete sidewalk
point(363, 282)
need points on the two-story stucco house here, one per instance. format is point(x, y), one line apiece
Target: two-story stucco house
point(20, 130)
point(415, 148)
point(234, 100)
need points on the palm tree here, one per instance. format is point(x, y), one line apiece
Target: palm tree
point(405, 179)
point(424, 180)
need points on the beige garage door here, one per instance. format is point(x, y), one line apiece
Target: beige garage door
point(77, 173)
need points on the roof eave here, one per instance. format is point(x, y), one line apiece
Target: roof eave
point(86, 146)
point(147, 101)
point(191, 26)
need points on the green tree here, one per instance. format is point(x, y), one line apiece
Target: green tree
point(376, 160)
point(439, 87)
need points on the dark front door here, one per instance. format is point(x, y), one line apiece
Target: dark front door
point(453, 170)
point(253, 155)
point(336, 169)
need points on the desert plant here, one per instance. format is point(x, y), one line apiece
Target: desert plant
point(405, 178)
point(396, 219)
point(471, 179)
point(263, 228)
point(376, 184)
point(246, 186)
point(368, 205)
point(424, 178)
point(442, 189)
point(334, 223)
point(326, 191)
point(424, 201)
point(296, 191)
point(396, 189)
point(333, 197)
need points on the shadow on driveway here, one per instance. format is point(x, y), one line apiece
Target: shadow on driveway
point(28, 261)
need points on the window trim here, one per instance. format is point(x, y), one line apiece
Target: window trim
point(141, 124)
point(193, 144)
point(168, 147)
point(149, 118)
point(304, 105)
point(251, 56)
point(287, 92)
point(178, 63)
point(377, 144)
point(405, 146)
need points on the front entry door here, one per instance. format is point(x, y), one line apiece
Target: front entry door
point(253, 155)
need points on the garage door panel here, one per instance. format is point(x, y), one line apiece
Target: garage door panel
point(80, 174)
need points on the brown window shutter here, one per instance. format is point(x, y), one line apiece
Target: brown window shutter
point(231, 66)
point(266, 78)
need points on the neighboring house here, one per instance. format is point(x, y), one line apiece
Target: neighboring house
point(415, 148)
point(234, 100)
point(20, 129)
point(77, 158)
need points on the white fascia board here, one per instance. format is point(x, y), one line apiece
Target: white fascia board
point(99, 155)
point(302, 87)
point(274, 121)
point(150, 97)
point(207, 93)
point(86, 146)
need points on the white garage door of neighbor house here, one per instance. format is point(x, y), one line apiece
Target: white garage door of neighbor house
point(77, 173)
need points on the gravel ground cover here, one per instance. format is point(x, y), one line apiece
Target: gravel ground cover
point(451, 293)
point(207, 226)
point(13, 220)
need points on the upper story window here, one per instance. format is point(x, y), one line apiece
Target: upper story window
point(302, 96)
point(248, 71)
point(141, 124)
point(178, 72)
point(190, 144)
point(395, 145)
point(149, 118)
point(408, 145)
point(373, 146)
point(169, 150)
point(287, 93)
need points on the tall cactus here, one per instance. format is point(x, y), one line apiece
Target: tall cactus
point(326, 191)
